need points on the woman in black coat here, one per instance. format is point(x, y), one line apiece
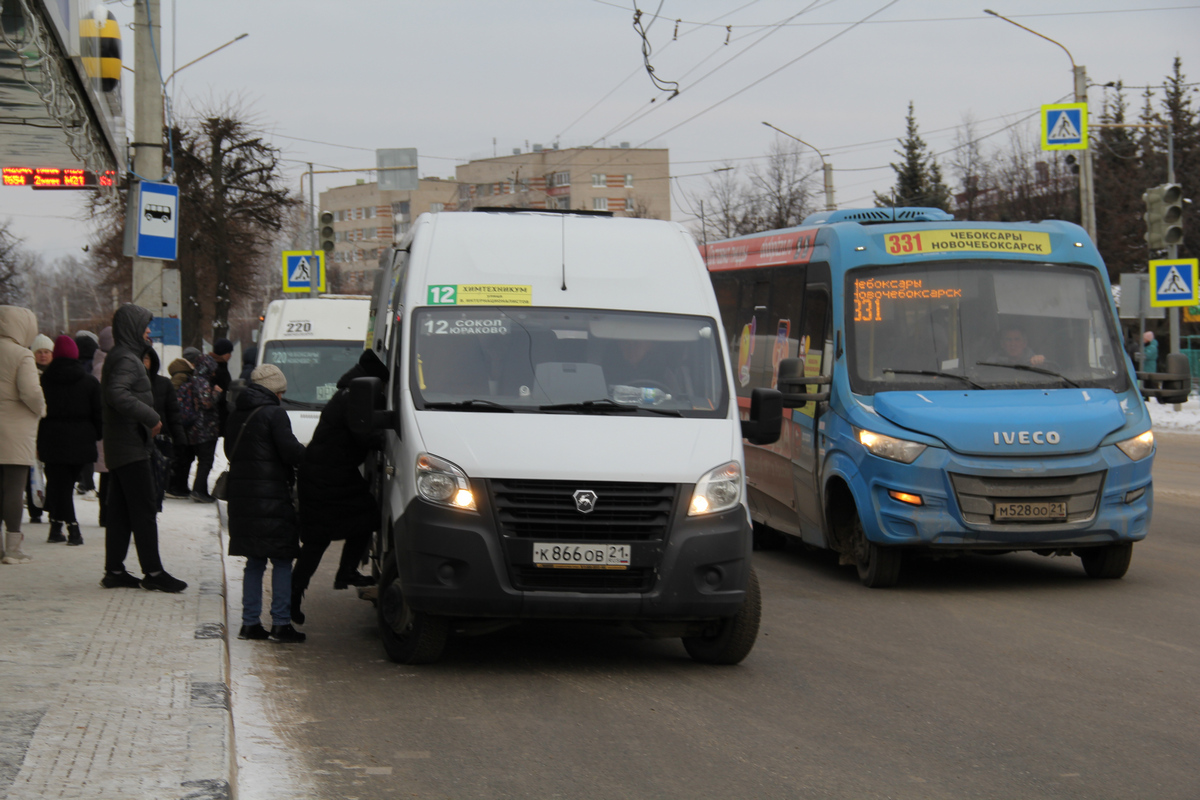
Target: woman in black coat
point(263, 454)
point(67, 435)
point(167, 408)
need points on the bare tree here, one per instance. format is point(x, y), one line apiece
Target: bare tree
point(781, 187)
point(971, 167)
point(13, 267)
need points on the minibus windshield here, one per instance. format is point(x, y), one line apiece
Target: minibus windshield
point(986, 324)
point(566, 361)
point(312, 368)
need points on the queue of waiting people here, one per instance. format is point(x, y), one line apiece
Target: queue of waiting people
point(61, 418)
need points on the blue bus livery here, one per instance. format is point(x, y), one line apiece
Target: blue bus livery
point(954, 387)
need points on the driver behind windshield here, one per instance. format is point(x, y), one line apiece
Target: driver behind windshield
point(638, 362)
point(1014, 349)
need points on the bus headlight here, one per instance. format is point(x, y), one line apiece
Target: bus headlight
point(718, 489)
point(900, 450)
point(441, 482)
point(1138, 447)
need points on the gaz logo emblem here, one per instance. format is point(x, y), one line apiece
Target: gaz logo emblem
point(585, 501)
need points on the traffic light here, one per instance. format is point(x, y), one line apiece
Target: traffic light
point(326, 231)
point(1072, 163)
point(1164, 215)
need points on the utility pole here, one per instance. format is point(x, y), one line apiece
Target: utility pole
point(147, 144)
point(1087, 186)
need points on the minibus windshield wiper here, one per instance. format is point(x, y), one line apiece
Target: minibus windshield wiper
point(605, 405)
point(471, 405)
point(1028, 368)
point(937, 373)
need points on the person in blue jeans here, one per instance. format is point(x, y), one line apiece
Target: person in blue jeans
point(263, 454)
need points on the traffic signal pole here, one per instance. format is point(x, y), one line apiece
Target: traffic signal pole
point(1087, 186)
point(148, 136)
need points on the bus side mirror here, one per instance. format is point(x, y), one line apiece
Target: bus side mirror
point(365, 412)
point(794, 385)
point(766, 417)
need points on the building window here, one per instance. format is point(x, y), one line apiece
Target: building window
point(559, 179)
point(599, 181)
point(628, 181)
point(599, 204)
point(371, 212)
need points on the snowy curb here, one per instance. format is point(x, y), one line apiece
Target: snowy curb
point(1167, 420)
point(210, 760)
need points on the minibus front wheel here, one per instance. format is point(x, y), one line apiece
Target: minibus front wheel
point(409, 637)
point(729, 640)
point(878, 567)
point(1108, 561)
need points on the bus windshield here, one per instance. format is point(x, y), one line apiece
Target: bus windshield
point(563, 360)
point(312, 368)
point(956, 325)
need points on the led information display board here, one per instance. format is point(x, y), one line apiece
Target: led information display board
point(55, 178)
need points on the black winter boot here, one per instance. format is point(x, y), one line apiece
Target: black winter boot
point(74, 537)
point(297, 614)
point(56, 534)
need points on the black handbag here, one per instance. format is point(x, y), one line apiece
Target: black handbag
point(221, 487)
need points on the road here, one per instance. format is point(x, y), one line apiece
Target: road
point(989, 677)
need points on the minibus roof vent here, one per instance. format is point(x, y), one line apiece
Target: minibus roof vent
point(876, 216)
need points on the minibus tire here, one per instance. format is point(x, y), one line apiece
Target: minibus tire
point(422, 637)
point(1110, 561)
point(730, 640)
point(878, 567)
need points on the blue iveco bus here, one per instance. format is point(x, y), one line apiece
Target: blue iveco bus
point(954, 387)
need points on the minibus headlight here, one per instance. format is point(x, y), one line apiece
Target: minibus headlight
point(1138, 447)
point(441, 482)
point(900, 450)
point(718, 489)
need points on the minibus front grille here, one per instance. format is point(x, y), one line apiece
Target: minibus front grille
point(635, 579)
point(548, 510)
point(978, 495)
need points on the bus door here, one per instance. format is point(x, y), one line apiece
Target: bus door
point(815, 350)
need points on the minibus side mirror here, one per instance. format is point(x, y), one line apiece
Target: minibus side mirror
point(1172, 386)
point(766, 417)
point(794, 385)
point(365, 407)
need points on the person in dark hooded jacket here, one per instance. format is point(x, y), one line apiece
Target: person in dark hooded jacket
point(249, 362)
point(88, 343)
point(167, 409)
point(198, 398)
point(335, 499)
point(263, 453)
point(67, 435)
point(130, 425)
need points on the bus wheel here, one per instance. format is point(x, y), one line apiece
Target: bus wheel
point(409, 637)
point(729, 640)
point(878, 567)
point(1109, 561)
point(766, 538)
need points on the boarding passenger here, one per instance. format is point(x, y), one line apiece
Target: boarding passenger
point(335, 499)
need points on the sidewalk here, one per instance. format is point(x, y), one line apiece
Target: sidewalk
point(116, 693)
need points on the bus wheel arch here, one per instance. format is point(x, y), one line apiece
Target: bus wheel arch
point(878, 566)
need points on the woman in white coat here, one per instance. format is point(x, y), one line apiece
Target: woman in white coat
point(22, 405)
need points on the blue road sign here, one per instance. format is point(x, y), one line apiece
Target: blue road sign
point(166, 330)
point(300, 267)
point(1173, 282)
point(157, 220)
point(1064, 126)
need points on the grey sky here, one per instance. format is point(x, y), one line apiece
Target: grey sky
point(449, 76)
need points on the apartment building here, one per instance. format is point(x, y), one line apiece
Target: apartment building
point(630, 182)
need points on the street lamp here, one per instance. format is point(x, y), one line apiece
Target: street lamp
point(206, 55)
point(825, 165)
point(1087, 193)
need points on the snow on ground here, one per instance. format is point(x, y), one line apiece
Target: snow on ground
point(1166, 418)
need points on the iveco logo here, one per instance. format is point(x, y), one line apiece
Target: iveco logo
point(1025, 437)
point(585, 501)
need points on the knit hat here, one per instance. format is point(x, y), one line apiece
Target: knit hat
point(41, 342)
point(191, 355)
point(270, 377)
point(65, 347)
point(222, 346)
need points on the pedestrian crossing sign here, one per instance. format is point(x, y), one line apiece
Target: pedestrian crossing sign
point(1173, 282)
point(1064, 126)
point(299, 269)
